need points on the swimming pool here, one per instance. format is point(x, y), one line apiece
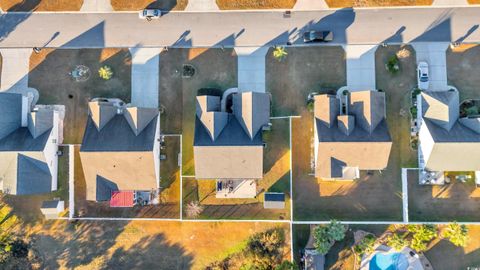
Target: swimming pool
point(388, 261)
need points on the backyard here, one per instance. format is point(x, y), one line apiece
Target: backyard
point(342, 257)
point(455, 201)
point(276, 179)
point(51, 74)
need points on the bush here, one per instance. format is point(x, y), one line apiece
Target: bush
point(416, 92)
point(279, 53)
point(398, 241)
point(325, 236)
point(392, 64)
point(310, 106)
point(105, 72)
point(413, 111)
point(266, 248)
point(366, 245)
point(456, 234)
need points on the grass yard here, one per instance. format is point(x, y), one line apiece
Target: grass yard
point(168, 208)
point(455, 201)
point(214, 68)
point(376, 3)
point(41, 5)
point(131, 245)
point(170, 172)
point(49, 74)
point(442, 254)
point(255, 4)
point(463, 70)
point(164, 5)
point(304, 70)
point(374, 197)
point(276, 179)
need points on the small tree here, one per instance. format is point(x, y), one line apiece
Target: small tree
point(422, 235)
point(105, 72)
point(366, 245)
point(457, 234)
point(279, 53)
point(325, 236)
point(397, 241)
point(287, 265)
point(193, 209)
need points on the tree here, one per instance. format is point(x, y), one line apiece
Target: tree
point(287, 265)
point(193, 209)
point(105, 72)
point(422, 235)
point(266, 248)
point(325, 236)
point(279, 53)
point(366, 245)
point(398, 241)
point(457, 234)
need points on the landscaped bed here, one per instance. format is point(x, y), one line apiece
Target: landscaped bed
point(41, 5)
point(376, 3)
point(255, 4)
point(164, 5)
point(51, 73)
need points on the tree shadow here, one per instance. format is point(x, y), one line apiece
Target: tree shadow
point(469, 32)
point(397, 37)
point(9, 22)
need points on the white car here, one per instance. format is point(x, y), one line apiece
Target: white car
point(422, 76)
point(150, 14)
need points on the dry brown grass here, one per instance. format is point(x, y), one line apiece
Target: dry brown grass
point(474, 2)
point(376, 3)
point(125, 5)
point(255, 4)
point(41, 5)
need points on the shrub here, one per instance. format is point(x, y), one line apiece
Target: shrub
point(392, 64)
point(413, 111)
point(456, 234)
point(287, 265)
point(366, 245)
point(422, 235)
point(105, 72)
point(279, 53)
point(193, 209)
point(266, 248)
point(397, 241)
point(311, 106)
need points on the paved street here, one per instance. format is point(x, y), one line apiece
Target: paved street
point(249, 28)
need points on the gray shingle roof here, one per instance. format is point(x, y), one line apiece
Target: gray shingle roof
point(441, 108)
point(10, 113)
point(33, 176)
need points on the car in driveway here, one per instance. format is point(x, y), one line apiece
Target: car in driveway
point(422, 76)
point(317, 36)
point(149, 14)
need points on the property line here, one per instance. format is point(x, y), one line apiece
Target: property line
point(71, 186)
point(188, 176)
point(284, 117)
point(181, 176)
point(405, 194)
point(74, 144)
point(171, 135)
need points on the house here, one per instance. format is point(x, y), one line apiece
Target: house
point(29, 140)
point(228, 143)
point(120, 150)
point(448, 142)
point(350, 134)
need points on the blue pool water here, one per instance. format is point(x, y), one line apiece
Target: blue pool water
point(389, 261)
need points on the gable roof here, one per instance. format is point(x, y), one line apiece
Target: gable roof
point(252, 110)
point(33, 176)
point(441, 107)
point(208, 111)
point(101, 113)
point(358, 139)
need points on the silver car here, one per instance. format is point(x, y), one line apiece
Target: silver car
point(149, 14)
point(422, 76)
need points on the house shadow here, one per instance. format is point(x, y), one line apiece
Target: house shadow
point(440, 30)
point(9, 22)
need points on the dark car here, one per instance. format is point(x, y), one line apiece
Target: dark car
point(317, 36)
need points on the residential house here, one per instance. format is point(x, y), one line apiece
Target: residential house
point(120, 151)
point(228, 143)
point(29, 140)
point(350, 134)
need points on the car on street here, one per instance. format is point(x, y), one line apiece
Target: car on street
point(317, 36)
point(149, 14)
point(422, 76)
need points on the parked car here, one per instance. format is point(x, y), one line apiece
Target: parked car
point(150, 14)
point(317, 36)
point(422, 75)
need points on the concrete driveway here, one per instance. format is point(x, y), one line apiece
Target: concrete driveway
point(435, 54)
point(360, 67)
point(145, 76)
point(15, 68)
point(251, 68)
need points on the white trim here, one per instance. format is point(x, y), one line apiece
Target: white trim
point(405, 194)
point(291, 189)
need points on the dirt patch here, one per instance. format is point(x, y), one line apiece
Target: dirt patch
point(164, 5)
point(304, 70)
point(376, 3)
point(41, 5)
point(255, 4)
point(50, 75)
point(463, 70)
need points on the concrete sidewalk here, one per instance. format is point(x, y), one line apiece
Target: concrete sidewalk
point(360, 67)
point(201, 5)
point(15, 69)
point(96, 5)
point(145, 76)
point(452, 3)
point(310, 4)
point(435, 54)
point(251, 68)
